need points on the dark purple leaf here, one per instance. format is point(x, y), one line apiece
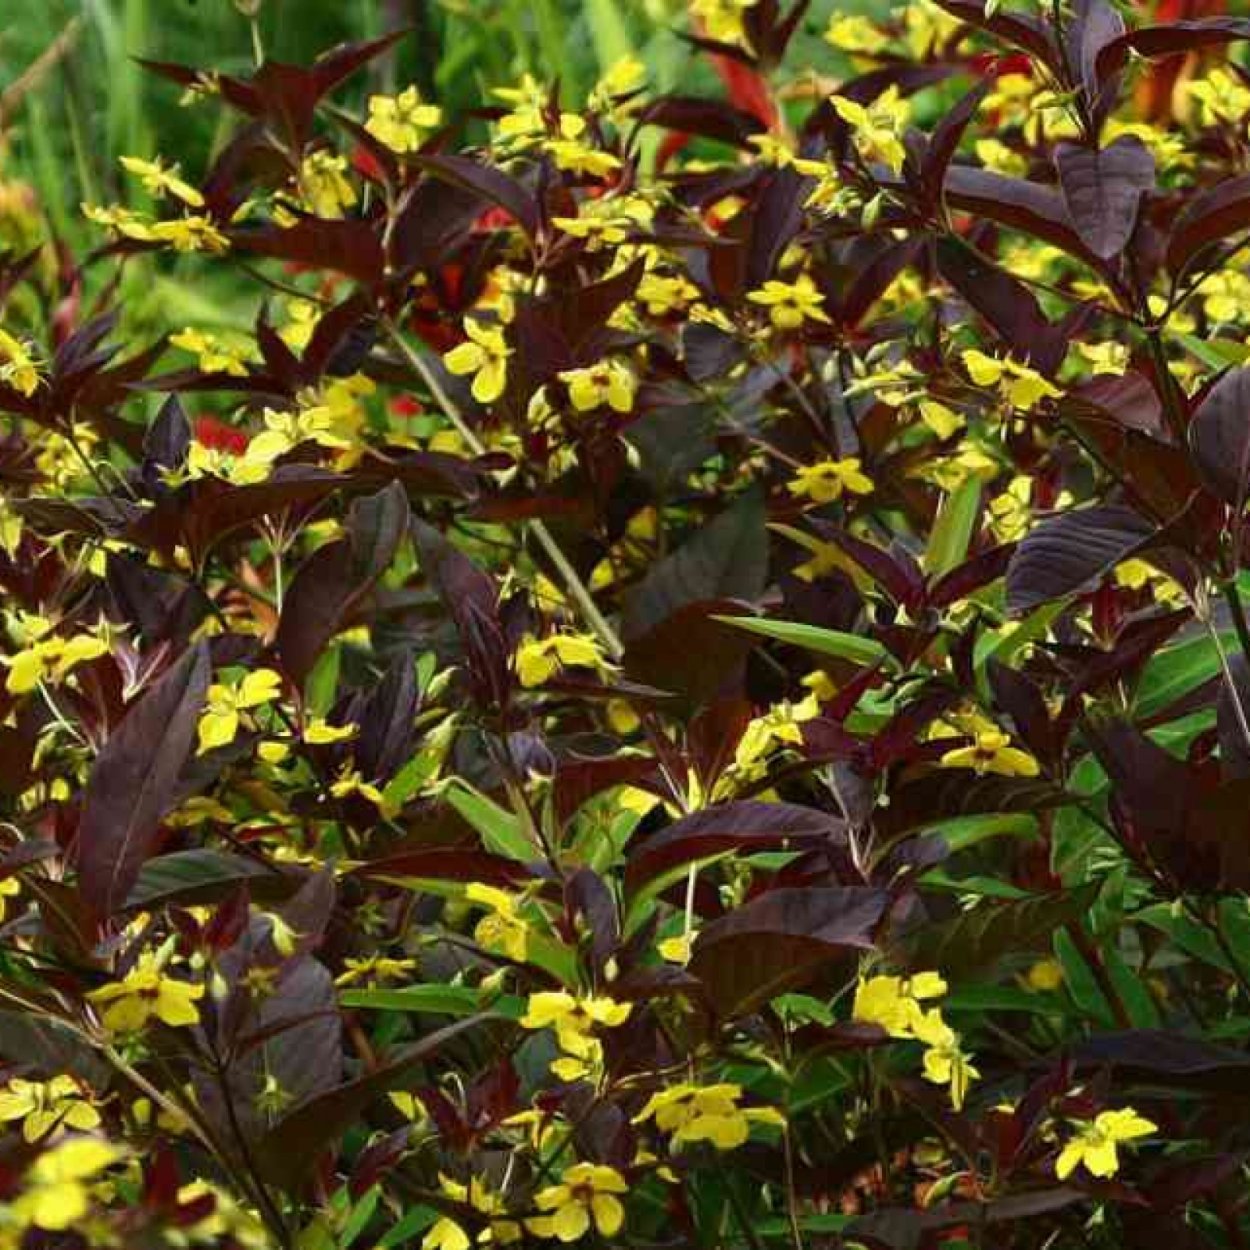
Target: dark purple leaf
point(135, 781)
point(287, 1151)
point(779, 941)
point(1004, 301)
point(1219, 437)
point(945, 140)
point(1103, 190)
point(334, 581)
point(487, 183)
point(725, 559)
point(1022, 29)
point(1170, 39)
point(744, 827)
point(1071, 552)
point(713, 119)
point(1212, 215)
point(351, 247)
point(1230, 709)
point(1128, 400)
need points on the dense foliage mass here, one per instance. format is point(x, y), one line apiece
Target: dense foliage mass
point(688, 683)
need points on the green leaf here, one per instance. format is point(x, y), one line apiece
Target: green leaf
point(980, 998)
point(609, 32)
point(1214, 353)
point(433, 1000)
point(502, 833)
point(362, 1213)
point(953, 530)
point(1081, 983)
point(961, 832)
point(1175, 671)
point(853, 647)
point(415, 1220)
point(322, 685)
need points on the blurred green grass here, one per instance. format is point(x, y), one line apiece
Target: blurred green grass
point(87, 101)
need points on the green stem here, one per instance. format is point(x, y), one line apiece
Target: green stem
point(1238, 612)
point(568, 574)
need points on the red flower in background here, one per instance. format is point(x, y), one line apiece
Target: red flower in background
point(210, 432)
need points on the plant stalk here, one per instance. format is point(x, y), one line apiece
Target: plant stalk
point(568, 574)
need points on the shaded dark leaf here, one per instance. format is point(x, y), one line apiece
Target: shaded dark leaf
point(971, 943)
point(1103, 190)
point(285, 1152)
point(744, 827)
point(336, 579)
point(1212, 215)
point(192, 878)
point(726, 559)
point(1071, 552)
point(135, 781)
point(1219, 437)
point(486, 182)
point(779, 940)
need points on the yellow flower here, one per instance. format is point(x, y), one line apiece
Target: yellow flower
point(10, 887)
point(159, 180)
point(573, 1018)
point(1223, 97)
point(214, 355)
point(10, 529)
point(485, 356)
point(827, 481)
point(722, 19)
point(349, 781)
point(1019, 385)
point(677, 949)
point(503, 929)
point(944, 1061)
point(992, 753)
point(242, 470)
point(47, 656)
point(943, 421)
point(1110, 357)
point(145, 991)
point(17, 365)
point(928, 28)
point(789, 304)
point(375, 969)
point(401, 122)
point(708, 1113)
point(854, 33)
point(624, 77)
point(663, 294)
point(586, 1194)
point(1045, 975)
point(878, 127)
point(538, 660)
point(572, 154)
point(192, 233)
point(324, 185)
point(220, 720)
point(447, 1234)
point(319, 732)
point(55, 1195)
point(893, 1003)
point(1224, 296)
point(1095, 1142)
point(1011, 511)
point(610, 382)
point(45, 1105)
